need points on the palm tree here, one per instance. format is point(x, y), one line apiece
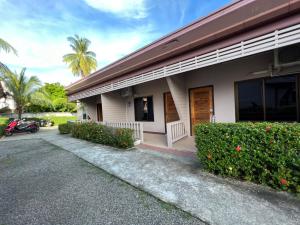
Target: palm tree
point(82, 61)
point(21, 88)
point(6, 47)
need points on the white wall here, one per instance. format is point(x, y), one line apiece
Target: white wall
point(113, 107)
point(222, 77)
point(8, 102)
point(89, 106)
point(156, 89)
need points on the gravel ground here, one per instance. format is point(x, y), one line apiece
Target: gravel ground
point(43, 184)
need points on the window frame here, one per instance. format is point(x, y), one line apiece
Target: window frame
point(144, 96)
point(236, 96)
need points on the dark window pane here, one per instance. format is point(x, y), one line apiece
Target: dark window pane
point(250, 100)
point(150, 109)
point(143, 108)
point(281, 98)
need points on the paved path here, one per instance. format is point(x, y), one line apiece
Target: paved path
point(212, 199)
point(41, 184)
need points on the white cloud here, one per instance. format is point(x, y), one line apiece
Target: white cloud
point(42, 54)
point(41, 42)
point(135, 9)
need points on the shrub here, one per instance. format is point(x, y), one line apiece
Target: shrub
point(2, 127)
point(97, 133)
point(124, 137)
point(65, 128)
point(3, 124)
point(264, 153)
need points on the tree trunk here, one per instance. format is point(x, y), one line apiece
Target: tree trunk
point(81, 73)
point(20, 111)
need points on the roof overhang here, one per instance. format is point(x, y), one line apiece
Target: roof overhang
point(239, 21)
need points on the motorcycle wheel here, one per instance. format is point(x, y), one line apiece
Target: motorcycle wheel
point(7, 134)
point(34, 130)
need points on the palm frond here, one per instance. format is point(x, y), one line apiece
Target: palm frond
point(81, 61)
point(20, 87)
point(5, 46)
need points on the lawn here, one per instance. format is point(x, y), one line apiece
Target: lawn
point(3, 120)
point(60, 119)
point(56, 119)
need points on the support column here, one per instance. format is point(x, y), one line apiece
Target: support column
point(178, 91)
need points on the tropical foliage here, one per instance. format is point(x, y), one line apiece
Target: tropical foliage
point(6, 47)
point(57, 102)
point(97, 133)
point(81, 61)
point(264, 153)
point(22, 89)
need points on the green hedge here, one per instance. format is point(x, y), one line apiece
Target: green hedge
point(2, 127)
point(264, 153)
point(116, 137)
point(65, 128)
point(3, 124)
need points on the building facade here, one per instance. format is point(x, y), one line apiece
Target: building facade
point(241, 63)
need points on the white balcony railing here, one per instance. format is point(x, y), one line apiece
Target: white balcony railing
point(175, 131)
point(273, 40)
point(137, 128)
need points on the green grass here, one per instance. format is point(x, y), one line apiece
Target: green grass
point(60, 119)
point(3, 120)
point(57, 119)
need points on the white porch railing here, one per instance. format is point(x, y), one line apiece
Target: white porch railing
point(137, 128)
point(175, 131)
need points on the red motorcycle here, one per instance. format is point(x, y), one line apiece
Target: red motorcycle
point(20, 126)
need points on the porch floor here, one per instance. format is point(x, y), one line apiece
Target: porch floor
point(160, 140)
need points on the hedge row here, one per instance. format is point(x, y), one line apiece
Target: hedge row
point(2, 127)
point(116, 137)
point(264, 153)
point(65, 128)
point(3, 124)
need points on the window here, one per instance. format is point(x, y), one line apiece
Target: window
point(250, 100)
point(281, 99)
point(143, 109)
point(271, 99)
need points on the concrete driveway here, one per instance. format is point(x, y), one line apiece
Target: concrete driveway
point(43, 184)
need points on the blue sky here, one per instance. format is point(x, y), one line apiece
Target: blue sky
point(38, 29)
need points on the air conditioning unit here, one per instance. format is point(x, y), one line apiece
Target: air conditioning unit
point(127, 92)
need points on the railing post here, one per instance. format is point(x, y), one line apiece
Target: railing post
point(169, 135)
point(141, 132)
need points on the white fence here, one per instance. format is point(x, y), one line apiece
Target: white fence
point(175, 131)
point(135, 126)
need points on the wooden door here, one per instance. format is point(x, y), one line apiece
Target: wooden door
point(99, 112)
point(171, 113)
point(201, 106)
